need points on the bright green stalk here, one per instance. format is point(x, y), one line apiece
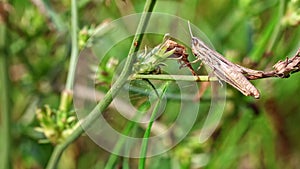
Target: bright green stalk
point(129, 128)
point(144, 147)
point(74, 50)
point(175, 78)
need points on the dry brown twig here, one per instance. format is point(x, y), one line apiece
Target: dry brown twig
point(282, 69)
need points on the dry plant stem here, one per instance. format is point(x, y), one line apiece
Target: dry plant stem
point(103, 104)
point(282, 69)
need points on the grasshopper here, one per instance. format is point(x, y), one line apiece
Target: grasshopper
point(221, 67)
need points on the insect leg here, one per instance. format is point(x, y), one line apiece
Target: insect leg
point(195, 61)
point(201, 64)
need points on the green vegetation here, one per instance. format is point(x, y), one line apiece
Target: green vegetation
point(40, 42)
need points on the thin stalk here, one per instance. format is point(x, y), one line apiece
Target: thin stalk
point(144, 147)
point(66, 95)
point(129, 128)
point(74, 47)
point(113, 157)
point(5, 104)
point(105, 102)
point(175, 78)
point(125, 163)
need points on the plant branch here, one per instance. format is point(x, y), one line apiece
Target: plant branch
point(104, 103)
point(282, 69)
point(144, 146)
point(74, 50)
point(174, 77)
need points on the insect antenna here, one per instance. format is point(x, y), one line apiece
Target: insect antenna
point(190, 29)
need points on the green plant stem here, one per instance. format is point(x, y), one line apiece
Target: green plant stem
point(113, 157)
point(129, 128)
point(104, 103)
point(66, 100)
point(125, 163)
point(66, 95)
point(5, 104)
point(175, 78)
point(144, 147)
point(74, 47)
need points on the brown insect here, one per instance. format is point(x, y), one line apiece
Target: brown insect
point(222, 68)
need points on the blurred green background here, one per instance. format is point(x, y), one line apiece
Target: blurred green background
point(35, 43)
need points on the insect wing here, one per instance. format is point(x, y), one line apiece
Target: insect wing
point(222, 68)
point(236, 79)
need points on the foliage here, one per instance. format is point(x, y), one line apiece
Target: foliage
point(35, 43)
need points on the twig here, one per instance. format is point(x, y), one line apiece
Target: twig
point(282, 69)
point(175, 77)
point(145, 142)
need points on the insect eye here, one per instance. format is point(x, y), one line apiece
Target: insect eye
point(194, 40)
